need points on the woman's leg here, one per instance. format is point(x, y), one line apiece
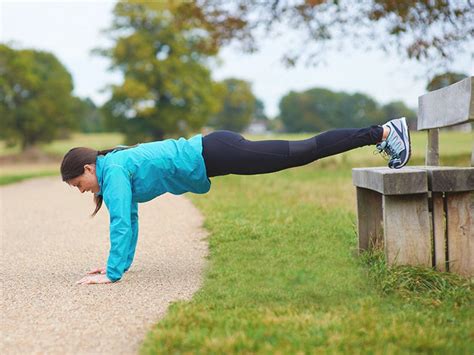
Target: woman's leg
point(227, 152)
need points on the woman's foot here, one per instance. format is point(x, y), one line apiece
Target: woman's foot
point(397, 143)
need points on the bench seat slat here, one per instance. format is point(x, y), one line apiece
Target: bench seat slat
point(391, 182)
point(449, 179)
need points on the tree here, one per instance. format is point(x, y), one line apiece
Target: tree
point(397, 109)
point(259, 113)
point(35, 97)
point(432, 30)
point(442, 80)
point(162, 53)
point(321, 109)
point(92, 119)
point(237, 108)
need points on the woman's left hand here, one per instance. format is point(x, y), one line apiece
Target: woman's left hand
point(94, 279)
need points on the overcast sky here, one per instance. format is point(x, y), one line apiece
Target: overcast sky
point(70, 29)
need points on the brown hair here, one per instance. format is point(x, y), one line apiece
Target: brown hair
point(73, 166)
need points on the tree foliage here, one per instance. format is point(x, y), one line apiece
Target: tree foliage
point(92, 119)
point(397, 109)
point(259, 113)
point(36, 101)
point(238, 106)
point(442, 80)
point(433, 30)
point(317, 110)
point(162, 49)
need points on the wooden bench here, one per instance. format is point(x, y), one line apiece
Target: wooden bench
point(423, 215)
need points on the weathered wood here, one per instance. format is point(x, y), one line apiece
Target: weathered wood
point(472, 153)
point(404, 193)
point(391, 181)
point(432, 148)
point(472, 156)
point(447, 106)
point(439, 231)
point(407, 229)
point(448, 178)
point(369, 219)
point(460, 227)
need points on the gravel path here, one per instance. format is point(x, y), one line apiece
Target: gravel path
point(49, 242)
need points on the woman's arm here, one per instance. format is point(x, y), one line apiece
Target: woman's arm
point(118, 198)
point(133, 241)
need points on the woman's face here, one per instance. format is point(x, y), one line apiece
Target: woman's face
point(87, 181)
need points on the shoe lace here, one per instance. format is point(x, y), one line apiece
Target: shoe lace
point(390, 150)
point(382, 153)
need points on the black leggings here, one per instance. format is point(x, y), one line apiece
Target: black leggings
point(227, 152)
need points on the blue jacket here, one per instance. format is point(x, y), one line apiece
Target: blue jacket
point(140, 174)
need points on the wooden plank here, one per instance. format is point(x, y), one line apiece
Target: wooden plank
point(447, 106)
point(391, 181)
point(407, 239)
point(472, 156)
point(439, 231)
point(460, 227)
point(448, 178)
point(369, 219)
point(432, 148)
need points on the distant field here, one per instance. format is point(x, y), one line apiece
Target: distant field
point(455, 148)
point(18, 171)
point(61, 146)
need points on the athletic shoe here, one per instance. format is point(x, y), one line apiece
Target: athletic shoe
point(397, 145)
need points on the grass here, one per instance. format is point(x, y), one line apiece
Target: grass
point(423, 284)
point(61, 146)
point(18, 171)
point(10, 179)
point(283, 275)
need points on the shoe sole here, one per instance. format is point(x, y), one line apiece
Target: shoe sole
point(407, 132)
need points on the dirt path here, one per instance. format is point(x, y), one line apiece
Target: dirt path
point(49, 242)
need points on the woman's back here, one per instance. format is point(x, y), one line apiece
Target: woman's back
point(174, 166)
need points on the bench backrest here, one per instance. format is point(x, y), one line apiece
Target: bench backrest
point(449, 106)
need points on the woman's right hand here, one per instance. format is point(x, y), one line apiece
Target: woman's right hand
point(99, 270)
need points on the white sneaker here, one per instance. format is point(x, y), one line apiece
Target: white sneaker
point(397, 145)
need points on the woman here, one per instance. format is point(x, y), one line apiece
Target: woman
point(124, 176)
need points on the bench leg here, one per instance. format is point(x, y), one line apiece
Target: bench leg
point(369, 219)
point(407, 229)
point(439, 232)
point(459, 224)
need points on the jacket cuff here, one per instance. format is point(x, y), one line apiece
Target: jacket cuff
point(113, 279)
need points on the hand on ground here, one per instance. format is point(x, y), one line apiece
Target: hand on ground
point(99, 270)
point(94, 279)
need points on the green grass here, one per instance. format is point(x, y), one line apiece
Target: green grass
point(424, 284)
point(18, 171)
point(283, 275)
point(10, 179)
point(61, 146)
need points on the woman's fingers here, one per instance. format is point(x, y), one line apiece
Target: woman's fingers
point(99, 270)
point(86, 280)
point(93, 279)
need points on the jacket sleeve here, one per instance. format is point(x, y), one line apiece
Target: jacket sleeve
point(118, 198)
point(133, 241)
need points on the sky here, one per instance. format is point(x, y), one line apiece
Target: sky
point(70, 29)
